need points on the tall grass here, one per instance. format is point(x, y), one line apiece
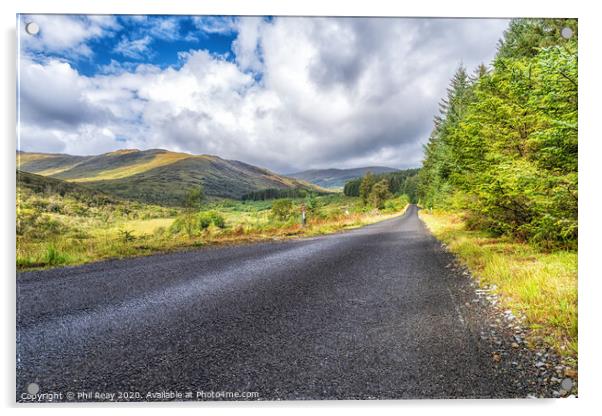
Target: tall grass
point(540, 285)
point(60, 231)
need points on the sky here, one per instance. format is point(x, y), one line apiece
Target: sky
point(285, 93)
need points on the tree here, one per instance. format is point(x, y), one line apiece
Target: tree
point(504, 148)
point(366, 187)
point(379, 194)
point(194, 197)
point(312, 204)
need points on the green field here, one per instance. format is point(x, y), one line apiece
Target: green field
point(61, 223)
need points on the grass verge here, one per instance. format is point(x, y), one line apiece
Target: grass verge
point(540, 285)
point(128, 238)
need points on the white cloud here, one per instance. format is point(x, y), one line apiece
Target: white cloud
point(157, 27)
point(65, 33)
point(167, 28)
point(216, 24)
point(246, 46)
point(134, 48)
point(301, 93)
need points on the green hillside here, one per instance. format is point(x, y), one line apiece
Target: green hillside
point(336, 178)
point(157, 176)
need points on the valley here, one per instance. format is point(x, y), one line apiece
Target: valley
point(80, 209)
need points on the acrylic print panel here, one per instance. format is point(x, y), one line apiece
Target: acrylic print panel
point(262, 208)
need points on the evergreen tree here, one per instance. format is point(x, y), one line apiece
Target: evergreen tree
point(504, 146)
point(366, 187)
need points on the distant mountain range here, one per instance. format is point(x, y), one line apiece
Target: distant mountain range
point(336, 178)
point(157, 176)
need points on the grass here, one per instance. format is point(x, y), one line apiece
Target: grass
point(540, 285)
point(62, 226)
point(159, 160)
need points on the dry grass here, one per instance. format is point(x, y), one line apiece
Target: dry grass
point(540, 285)
point(91, 238)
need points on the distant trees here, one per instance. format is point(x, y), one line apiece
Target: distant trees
point(352, 187)
point(275, 193)
point(399, 183)
point(373, 190)
point(504, 147)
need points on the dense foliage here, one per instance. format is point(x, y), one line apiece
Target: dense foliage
point(275, 193)
point(282, 209)
point(403, 182)
point(504, 147)
point(193, 223)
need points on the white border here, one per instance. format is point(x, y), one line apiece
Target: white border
point(590, 260)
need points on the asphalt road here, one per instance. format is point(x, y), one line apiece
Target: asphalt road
point(369, 313)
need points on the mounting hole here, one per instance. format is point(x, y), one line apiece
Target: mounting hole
point(33, 388)
point(567, 33)
point(32, 28)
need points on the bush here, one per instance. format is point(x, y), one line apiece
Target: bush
point(282, 209)
point(396, 204)
point(204, 220)
point(207, 218)
point(186, 223)
point(219, 221)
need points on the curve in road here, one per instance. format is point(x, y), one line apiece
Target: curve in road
point(369, 313)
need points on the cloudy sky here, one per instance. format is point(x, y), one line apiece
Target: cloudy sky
point(283, 93)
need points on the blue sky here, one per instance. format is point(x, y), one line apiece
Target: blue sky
point(284, 93)
point(156, 40)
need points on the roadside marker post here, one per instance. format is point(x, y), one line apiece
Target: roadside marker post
point(303, 217)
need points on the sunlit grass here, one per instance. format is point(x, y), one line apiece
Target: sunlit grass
point(140, 227)
point(94, 235)
point(540, 285)
point(160, 159)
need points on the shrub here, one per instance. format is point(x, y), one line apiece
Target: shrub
point(282, 209)
point(186, 223)
point(207, 218)
point(396, 204)
point(219, 220)
point(204, 220)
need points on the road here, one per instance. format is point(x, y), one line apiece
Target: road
point(369, 313)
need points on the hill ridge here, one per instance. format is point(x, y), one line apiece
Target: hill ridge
point(337, 177)
point(157, 175)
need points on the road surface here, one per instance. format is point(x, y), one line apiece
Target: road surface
point(368, 313)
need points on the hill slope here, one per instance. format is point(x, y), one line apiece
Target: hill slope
point(44, 185)
point(336, 178)
point(157, 176)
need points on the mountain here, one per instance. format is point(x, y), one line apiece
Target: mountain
point(39, 184)
point(336, 178)
point(157, 176)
